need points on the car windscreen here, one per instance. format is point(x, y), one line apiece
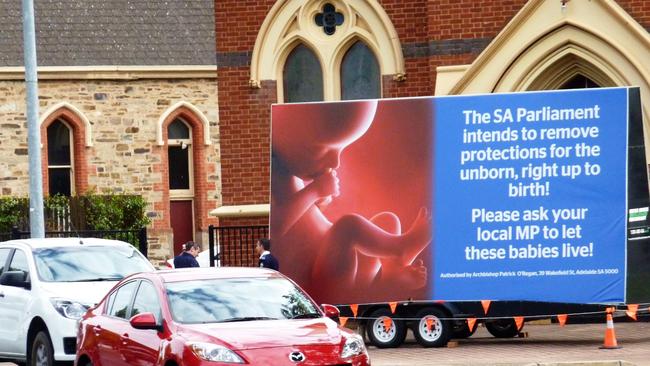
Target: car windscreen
point(88, 263)
point(238, 299)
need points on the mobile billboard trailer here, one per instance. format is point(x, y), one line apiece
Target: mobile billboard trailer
point(437, 203)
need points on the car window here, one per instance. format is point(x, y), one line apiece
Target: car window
point(146, 301)
point(234, 299)
point(19, 263)
point(4, 253)
point(109, 302)
point(89, 263)
point(122, 300)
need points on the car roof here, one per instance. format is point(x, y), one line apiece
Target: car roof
point(36, 243)
point(206, 273)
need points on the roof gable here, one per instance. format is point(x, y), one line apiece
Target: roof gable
point(600, 33)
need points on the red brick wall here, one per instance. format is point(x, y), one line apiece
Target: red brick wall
point(638, 9)
point(246, 221)
point(244, 135)
point(244, 112)
point(408, 19)
point(238, 22)
point(463, 19)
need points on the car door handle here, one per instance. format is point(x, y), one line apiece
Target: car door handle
point(125, 338)
point(97, 329)
point(2, 294)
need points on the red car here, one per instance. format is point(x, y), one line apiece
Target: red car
point(214, 316)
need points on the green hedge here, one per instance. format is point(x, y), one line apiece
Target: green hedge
point(115, 212)
point(98, 212)
point(12, 212)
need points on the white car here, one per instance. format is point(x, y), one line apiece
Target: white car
point(46, 285)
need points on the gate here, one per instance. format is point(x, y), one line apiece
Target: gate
point(234, 246)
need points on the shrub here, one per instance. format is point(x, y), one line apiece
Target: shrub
point(91, 211)
point(12, 212)
point(114, 212)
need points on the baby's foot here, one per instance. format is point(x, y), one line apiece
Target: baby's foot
point(417, 237)
point(409, 277)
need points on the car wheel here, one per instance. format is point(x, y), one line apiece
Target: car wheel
point(502, 328)
point(432, 330)
point(461, 330)
point(379, 335)
point(41, 353)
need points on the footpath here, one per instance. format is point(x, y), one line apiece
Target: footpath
point(542, 345)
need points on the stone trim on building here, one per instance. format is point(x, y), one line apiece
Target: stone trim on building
point(290, 22)
point(546, 45)
point(77, 124)
point(112, 72)
point(174, 110)
point(68, 109)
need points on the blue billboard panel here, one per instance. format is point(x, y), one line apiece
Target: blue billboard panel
point(529, 196)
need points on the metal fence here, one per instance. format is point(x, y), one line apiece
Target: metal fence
point(234, 246)
point(136, 237)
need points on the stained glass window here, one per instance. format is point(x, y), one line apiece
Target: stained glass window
point(329, 19)
point(303, 76)
point(360, 75)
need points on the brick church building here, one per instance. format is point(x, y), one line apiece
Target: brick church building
point(134, 88)
point(295, 50)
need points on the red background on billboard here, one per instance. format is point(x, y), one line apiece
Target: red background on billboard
point(388, 169)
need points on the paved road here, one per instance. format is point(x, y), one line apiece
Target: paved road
point(544, 345)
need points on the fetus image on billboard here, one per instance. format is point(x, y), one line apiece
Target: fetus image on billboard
point(350, 184)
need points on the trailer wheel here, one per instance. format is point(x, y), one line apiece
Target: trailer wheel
point(502, 328)
point(382, 337)
point(461, 330)
point(432, 330)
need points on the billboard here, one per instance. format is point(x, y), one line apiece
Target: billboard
point(520, 196)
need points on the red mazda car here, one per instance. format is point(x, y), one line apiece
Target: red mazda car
point(214, 316)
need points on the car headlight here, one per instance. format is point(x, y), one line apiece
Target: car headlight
point(353, 346)
point(69, 309)
point(214, 352)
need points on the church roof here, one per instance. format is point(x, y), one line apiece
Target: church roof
point(112, 32)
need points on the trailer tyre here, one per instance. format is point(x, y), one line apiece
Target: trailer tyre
point(432, 330)
point(380, 335)
point(461, 330)
point(502, 328)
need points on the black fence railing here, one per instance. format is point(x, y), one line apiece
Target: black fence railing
point(136, 237)
point(234, 246)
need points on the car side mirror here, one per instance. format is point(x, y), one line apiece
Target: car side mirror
point(15, 279)
point(145, 321)
point(331, 311)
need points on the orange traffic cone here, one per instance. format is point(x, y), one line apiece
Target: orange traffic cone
point(610, 335)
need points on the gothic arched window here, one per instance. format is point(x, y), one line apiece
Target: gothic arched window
point(302, 76)
point(59, 159)
point(360, 76)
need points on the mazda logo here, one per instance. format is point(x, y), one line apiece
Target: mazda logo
point(296, 357)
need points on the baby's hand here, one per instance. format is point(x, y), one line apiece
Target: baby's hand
point(326, 185)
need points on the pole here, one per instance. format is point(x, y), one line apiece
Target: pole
point(36, 222)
